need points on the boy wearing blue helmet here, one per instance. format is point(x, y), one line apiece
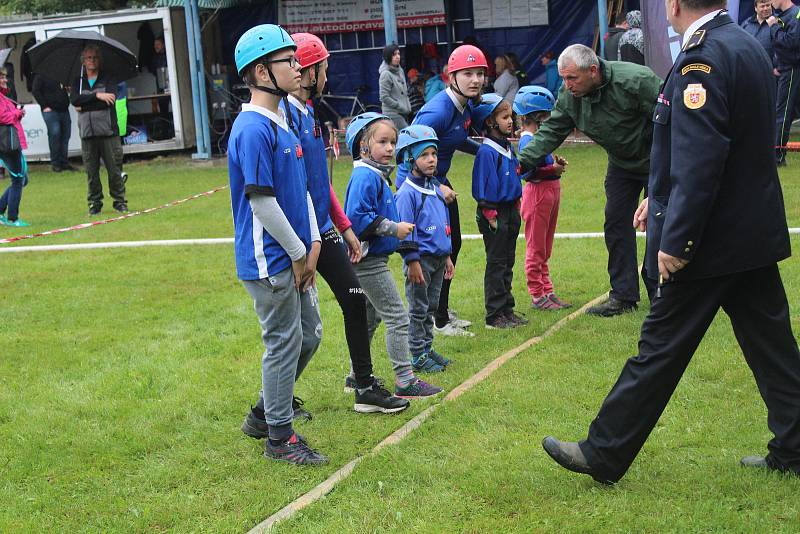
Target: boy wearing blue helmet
point(369, 204)
point(277, 240)
point(496, 188)
point(541, 198)
point(426, 250)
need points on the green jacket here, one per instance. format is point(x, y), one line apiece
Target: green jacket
point(617, 116)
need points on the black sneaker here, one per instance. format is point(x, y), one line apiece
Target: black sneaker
point(378, 399)
point(122, 208)
point(350, 383)
point(299, 411)
point(254, 426)
point(95, 210)
point(294, 450)
point(516, 319)
point(612, 307)
point(500, 322)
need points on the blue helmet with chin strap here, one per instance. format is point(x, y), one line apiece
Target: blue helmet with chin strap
point(356, 128)
point(533, 98)
point(484, 110)
point(413, 140)
point(259, 41)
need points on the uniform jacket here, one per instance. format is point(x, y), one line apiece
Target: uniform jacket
point(714, 194)
point(617, 116)
point(786, 39)
point(368, 201)
point(495, 174)
point(420, 202)
point(762, 32)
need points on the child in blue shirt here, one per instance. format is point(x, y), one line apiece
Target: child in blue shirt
point(370, 206)
point(541, 198)
point(496, 187)
point(277, 239)
point(426, 250)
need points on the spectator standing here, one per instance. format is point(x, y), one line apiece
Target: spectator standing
point(506, 84)
point(52, 97)
point(94, 96)
point(436, 84)
point(598, 93)
point(552, 79)
point(785, 31)
point(613, 36)
point(11, 157)
point(415, 90)
point(757, 25)
point(631, 44)
point(393, 89)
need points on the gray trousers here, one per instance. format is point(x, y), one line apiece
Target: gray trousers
point(291, 329)
point(385, 304)
point(422, 303)
point(94, 148)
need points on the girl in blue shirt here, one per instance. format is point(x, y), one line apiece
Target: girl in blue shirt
point(370, 206)
point(496, 187)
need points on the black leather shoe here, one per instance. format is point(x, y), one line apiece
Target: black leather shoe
point(755, 461)
point(612, 307)
point(568, 455)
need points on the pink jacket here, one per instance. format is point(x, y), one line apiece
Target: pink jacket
point(9, 114)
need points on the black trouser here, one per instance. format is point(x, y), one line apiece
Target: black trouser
point(623, 194)
point(440, 317)
point(787, 103)
point(337, 271)
point(95, 148)
point(756, 303)
point(501, 252)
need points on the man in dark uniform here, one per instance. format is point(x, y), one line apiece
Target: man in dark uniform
point(785, 30)
point(716, 227)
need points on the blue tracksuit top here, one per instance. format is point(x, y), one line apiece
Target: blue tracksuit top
point(495, 175)
point(306, 129)
point(786, 39)
point(368, 201)
point(524, 139)
point(420, 202)
point(451, 126)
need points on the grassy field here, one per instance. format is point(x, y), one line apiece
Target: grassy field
point(125, 374)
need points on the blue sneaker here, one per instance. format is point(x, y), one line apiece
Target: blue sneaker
point(19, 223)
point(3, 220)
point(438, 358)
point(418, 389)
point(425, 364)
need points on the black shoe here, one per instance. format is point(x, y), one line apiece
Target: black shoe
point(254, 426)
point(95, 210)
point(755, 461)
point(69, 168)
point(378, 399)
point(57, 169)
point(612, 307)
point(568, 455)
point(294, 450)
point(122, 208)
point(516, 319)
point(298, 410)
point(350, 383)
point(500, 322)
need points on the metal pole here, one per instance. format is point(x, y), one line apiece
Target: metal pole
point(602, 16)
point(389, 22)
point(198, 134)
point(201, 82)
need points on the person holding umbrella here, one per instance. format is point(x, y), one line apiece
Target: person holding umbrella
point(94, 94)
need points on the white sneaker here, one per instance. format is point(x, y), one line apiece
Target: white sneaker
point(452, 330)
point(455, 321)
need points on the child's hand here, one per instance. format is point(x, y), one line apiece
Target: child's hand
point(561, 161)
point(403, 229)
point(492, 224)
point(415, 275)
point(448, 193)
point(449, 269)
point(558, 168)
point(353, 245)
point(298, 268)
point(310, 271)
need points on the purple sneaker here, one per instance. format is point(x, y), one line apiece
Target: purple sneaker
point(417, 390)
point(553, 298)
point(294, 450)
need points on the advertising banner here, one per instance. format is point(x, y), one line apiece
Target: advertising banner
point(337, 16)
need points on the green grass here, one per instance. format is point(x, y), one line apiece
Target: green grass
point(125, 374)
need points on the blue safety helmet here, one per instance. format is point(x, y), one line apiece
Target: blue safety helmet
point(357, 126)
point(533, 98)
point(259, 41)
point(484, 110)
point(413, 140)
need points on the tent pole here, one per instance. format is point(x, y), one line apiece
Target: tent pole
point(602, 16)
point(389, 22)
point(201, 81)
point(198, 133)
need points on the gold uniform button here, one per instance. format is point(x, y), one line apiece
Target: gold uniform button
point(690, 243)
point(686, 249)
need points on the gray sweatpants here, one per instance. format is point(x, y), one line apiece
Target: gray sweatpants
point(423, 300)
point(291, 329)
point(385, 304)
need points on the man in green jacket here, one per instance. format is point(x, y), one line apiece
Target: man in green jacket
point(612, 103)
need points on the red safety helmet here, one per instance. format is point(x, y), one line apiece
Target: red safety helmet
point(310, 49)
point(465, 57)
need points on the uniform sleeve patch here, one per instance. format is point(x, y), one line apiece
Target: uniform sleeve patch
point(702, 67)
point(694, 96)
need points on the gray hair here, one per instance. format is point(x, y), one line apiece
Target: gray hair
point(581, 55)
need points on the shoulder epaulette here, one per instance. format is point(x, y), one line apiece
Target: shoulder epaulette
point(695, 40)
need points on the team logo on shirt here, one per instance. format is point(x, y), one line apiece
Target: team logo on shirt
point(694, 96)
point(298, 151)
point(467, 124)
point(431, 228)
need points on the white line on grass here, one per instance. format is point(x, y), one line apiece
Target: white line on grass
point(229, 241)
point(398, 435)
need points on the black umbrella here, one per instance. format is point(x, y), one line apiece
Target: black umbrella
point(59, 58)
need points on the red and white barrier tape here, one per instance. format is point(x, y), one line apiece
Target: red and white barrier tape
point(114, 219)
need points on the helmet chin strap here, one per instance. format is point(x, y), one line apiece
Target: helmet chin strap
point(313, 90)
point(456, 89)
point(385, 170)
point(277, 91)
